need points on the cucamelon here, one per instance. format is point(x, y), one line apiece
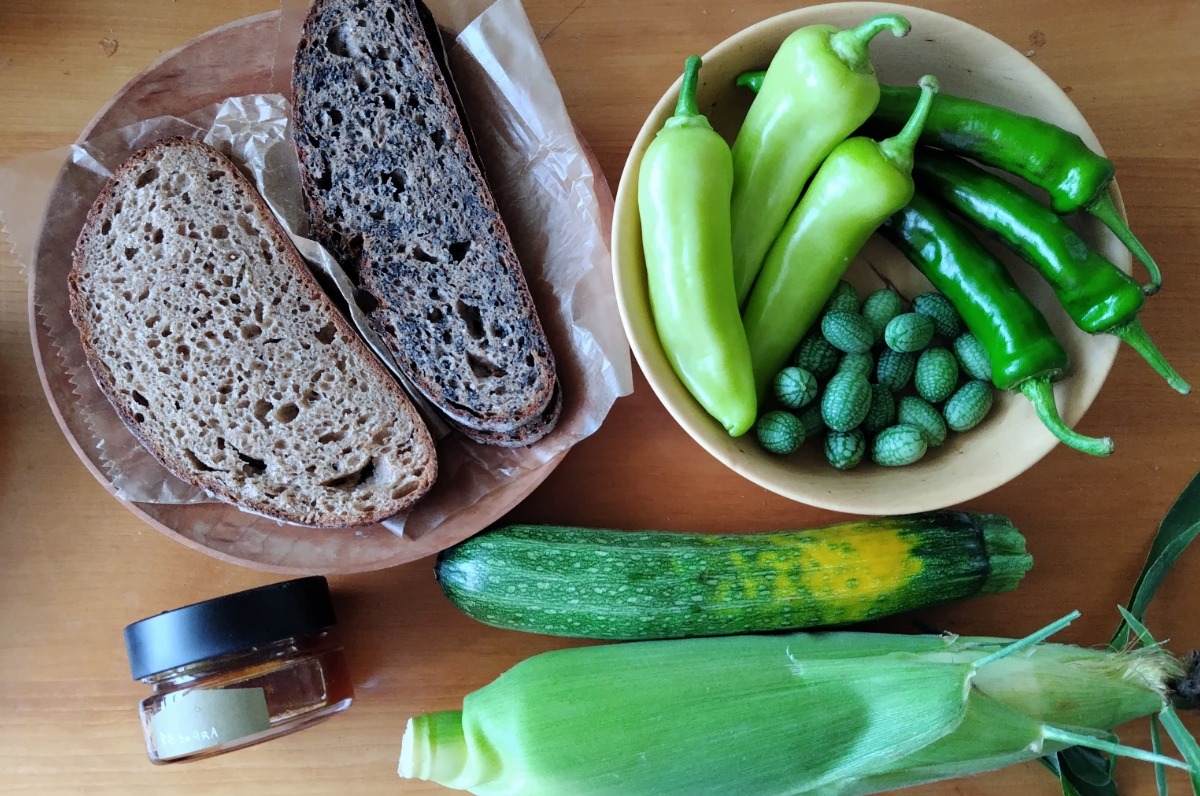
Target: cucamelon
point(879, 308)
point(938, 309)
point(936, 375)
point(846, 401)
point(795, 387)
point(972, 356)
point(969, 405)
point(845, 449)
point(847, 331)
point(862, 364)
point(908, 332)
point(882, 412)
point(898, 445)
point(895, 369)
point(779, 432)
point(918, 412)
point(843, 298)
point(817, 356)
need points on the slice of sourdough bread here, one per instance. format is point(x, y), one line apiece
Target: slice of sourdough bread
point(394, 192)
point(216, 346)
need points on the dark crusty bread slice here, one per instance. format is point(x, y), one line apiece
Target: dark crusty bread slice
point(527, 434)
point(396, 195)
point(216, 346)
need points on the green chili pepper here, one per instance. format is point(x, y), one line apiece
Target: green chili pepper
point(1098, 296)
point(1044, 154)
point(860, 184)
point(1024, 354)
point(684, 184)
point(819, 87)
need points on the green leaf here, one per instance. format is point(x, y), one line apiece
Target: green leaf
point(1175, 533)
point(1184, 742)
point(1056, 768)
point(1160, 771)
point(1096, 779)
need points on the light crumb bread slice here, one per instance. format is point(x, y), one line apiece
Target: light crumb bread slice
point(394, 192)
point(216, 346)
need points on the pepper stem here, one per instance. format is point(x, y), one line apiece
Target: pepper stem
point(1041, 394)
point(687, 104)
point(1133, 333)
point(899, 148)
point(752, 80)
point(1103, 208)
point(851, 45)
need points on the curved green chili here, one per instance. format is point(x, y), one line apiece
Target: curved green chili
point(1024, 354)
point(860, 184)
point(819, 87)
point(684, 184)
point(1097, 295)
point(1044, 154)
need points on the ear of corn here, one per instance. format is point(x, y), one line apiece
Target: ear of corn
point(834, 713)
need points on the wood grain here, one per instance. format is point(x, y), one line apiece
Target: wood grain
point(77, 566)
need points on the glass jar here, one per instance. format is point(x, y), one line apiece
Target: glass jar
point(238, 669)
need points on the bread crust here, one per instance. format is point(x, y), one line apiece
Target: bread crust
point(89, 309)
point(392, 189)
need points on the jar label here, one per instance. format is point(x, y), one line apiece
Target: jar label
point(192, 721)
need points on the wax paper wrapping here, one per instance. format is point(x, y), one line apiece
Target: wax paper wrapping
point(547, 185)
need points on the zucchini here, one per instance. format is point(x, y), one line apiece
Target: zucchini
point(624, 585)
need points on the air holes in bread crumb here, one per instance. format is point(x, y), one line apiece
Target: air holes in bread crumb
point(395, 178)
point(146, 177)
point(215, 175)
point(130, 252)
point(262, 409)
point(251, 331)
point(459, 250)
point(483, 369)
point(219, 231)
point(196, 463)
point(340, 42)
point(351, 480)
point(287, 413)
point(471, 318)
point(326, 333)
point(253, 466)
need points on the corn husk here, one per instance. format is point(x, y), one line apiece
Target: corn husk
point(832, 713)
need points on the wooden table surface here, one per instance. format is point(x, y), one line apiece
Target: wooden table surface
point(75, 566)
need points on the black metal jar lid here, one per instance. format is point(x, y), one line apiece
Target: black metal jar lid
point(224, 625)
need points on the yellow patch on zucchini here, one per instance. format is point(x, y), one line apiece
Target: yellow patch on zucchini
point(873, 562)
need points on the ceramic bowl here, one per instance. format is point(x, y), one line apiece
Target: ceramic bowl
point(968, 62)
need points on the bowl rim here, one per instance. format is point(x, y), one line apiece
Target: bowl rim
point(701, 428)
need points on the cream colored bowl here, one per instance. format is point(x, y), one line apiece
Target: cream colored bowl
point(968, 62)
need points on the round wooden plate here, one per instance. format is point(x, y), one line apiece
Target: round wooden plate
point(226, 62)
